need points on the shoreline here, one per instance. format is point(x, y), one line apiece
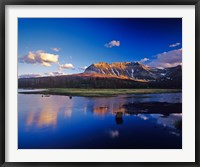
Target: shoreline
point(82, 92)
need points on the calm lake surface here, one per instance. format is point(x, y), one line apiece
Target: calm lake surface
point(61, 122)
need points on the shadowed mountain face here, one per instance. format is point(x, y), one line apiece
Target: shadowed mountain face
point(115, 75)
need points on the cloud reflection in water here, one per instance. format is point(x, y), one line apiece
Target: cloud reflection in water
point(114, 133)
point(46, 114)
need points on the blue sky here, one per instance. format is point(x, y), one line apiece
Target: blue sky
point(48, 46)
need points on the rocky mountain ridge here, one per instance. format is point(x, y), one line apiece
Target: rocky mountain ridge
point(135, 70)
point(114, 75)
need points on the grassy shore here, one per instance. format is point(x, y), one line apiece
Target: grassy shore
point(100, 92)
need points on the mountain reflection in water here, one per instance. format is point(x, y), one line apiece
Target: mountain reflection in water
point(82, 122)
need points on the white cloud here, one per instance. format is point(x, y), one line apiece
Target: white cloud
point(174, 45)
point(144, 60)
point(56, 49)
point(66, 66)
point(112, 43)
point(56, 73)
point(82, 68)
point(30, 76)
point(39, 57)
point(167, 59)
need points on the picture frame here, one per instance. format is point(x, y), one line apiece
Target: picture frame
point(99, 2)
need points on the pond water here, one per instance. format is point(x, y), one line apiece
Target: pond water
point(63, 122)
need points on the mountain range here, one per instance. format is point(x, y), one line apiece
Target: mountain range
point(114, 75)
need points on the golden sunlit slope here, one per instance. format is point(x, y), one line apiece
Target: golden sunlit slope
point(96, 75)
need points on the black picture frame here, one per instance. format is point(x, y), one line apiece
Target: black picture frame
point(3, 4)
